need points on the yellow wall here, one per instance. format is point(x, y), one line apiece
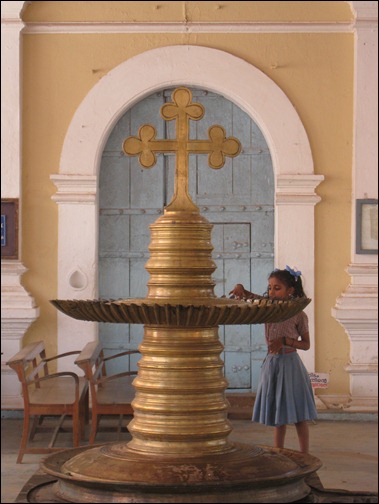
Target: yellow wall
point(315, 71)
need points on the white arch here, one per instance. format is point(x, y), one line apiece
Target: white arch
point(119, 90)
point(212, 69)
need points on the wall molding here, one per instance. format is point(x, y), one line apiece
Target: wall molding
point(75, 188)
point(297, 189)
point(186, 27)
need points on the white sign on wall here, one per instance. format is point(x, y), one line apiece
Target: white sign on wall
point(319, 380)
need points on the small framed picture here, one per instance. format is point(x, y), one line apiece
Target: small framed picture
point(367, 226)
point(9, 228)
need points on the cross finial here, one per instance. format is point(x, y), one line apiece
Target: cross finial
point(182, 110)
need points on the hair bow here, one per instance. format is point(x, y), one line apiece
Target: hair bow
point(293, 272)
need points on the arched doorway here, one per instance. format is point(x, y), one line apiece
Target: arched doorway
point(238, 200)
point(235, 79)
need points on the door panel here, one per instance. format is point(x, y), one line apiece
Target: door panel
point(238, 200)
point(239, 366)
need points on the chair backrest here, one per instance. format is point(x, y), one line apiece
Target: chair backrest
point(32, 368)
point(29, 363)
point(93, 362)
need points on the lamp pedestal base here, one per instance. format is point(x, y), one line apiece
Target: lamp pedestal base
point(116, 473)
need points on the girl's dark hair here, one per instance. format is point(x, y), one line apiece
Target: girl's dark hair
point(289, 280)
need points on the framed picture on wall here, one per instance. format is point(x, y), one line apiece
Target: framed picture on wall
point(9, 228)
point(367, 226)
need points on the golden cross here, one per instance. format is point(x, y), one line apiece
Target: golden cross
point(182, 109)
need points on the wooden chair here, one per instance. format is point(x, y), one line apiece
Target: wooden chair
point(110, 394)
point(48, 394)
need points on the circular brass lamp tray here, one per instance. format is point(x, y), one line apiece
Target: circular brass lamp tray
point(198, 313)
point(114, 473)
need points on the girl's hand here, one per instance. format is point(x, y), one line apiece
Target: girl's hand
point(238, 291)
point(275, 346)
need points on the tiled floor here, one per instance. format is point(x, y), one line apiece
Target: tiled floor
point(348, 450)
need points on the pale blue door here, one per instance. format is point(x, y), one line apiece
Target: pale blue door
point(238, 199)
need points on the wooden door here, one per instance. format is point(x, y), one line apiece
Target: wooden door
point(238, 199)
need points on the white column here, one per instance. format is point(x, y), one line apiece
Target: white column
point(295, 202)
point(357, 308)
point(18, 309)
point(77, 253)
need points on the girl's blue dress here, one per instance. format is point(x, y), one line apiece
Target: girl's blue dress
point(284, 393)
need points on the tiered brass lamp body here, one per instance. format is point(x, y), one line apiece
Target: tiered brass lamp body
point(180, 449)
point(180, 405)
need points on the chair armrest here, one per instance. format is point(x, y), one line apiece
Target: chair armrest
point(27, 354)
point(89, 354)
point(104, 379)
point(127, 352)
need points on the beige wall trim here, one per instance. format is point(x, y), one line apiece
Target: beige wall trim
point(297, 189)
point(74, 188)
point(186, 27)
point(343, 402)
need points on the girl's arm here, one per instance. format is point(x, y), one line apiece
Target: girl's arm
point(302, 344)
point(241, 293)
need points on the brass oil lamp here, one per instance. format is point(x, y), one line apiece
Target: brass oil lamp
point(180, 451)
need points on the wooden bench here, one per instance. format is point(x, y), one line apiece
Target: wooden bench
point(48, 394)
point(111, 394)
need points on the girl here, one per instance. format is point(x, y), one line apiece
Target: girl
point(284, 393)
